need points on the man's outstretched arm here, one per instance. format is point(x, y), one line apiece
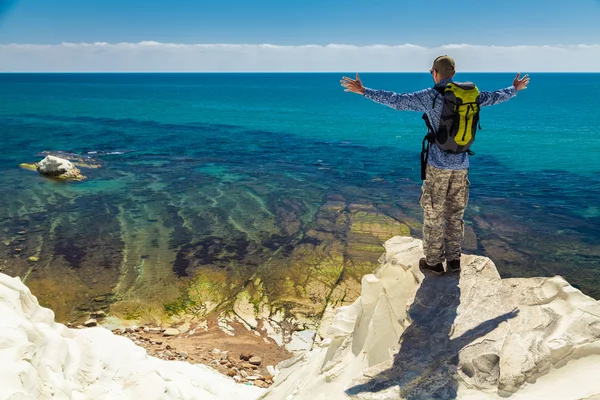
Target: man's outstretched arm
point(415, 101)
point(502, 95)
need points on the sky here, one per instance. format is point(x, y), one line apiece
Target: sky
point(291, 35)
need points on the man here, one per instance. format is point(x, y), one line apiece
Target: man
point(445, 191)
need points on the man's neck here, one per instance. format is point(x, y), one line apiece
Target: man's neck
point(443, 82)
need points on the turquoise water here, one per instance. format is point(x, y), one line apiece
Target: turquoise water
point(190, 158)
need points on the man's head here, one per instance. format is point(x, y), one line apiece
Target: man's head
point(443, 67)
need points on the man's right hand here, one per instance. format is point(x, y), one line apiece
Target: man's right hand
point(351, 85)
point(522, 83)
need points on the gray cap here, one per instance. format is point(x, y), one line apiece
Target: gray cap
point(443, 63)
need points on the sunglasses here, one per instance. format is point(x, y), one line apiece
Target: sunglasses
point(431, 70)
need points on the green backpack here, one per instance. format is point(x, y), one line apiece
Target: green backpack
point(459, 121)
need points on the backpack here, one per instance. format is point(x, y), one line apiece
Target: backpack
point(459, 121)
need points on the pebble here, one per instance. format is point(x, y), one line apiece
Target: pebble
point(171, 332)
point(255, 360)
point(261, 384)
point(214, 351)
point(224, 355)
point(90, 322)
point(245, 356)
point(183, 354)
point(154, 330)
point(98, 314)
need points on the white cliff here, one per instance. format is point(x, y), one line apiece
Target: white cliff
point(41, 359)
point(473, 336)
point(409, 336)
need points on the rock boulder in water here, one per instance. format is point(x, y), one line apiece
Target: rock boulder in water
point(54, 166)
point(57, 167)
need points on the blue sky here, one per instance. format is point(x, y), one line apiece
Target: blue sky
point(291, 22)
point(326, 35)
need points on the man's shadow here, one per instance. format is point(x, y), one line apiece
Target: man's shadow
point(426, 365)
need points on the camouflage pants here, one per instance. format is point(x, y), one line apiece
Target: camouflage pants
point(444, 196)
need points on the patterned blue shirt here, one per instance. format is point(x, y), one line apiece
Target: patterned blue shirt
point(423, 101)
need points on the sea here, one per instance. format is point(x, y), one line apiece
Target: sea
point(205, 157)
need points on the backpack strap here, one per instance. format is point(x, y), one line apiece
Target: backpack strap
point(430, 136)
point(440, 90)
point(427, 140)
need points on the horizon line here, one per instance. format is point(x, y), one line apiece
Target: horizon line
point(156, 43)
point(288, 72)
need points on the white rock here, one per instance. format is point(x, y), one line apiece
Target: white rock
point(52, 165)
point(244, 310)
point(171, 332)
point(98, 314)
point(477, 338)
point(90, 322)
point(301, 341)
point(41, 359)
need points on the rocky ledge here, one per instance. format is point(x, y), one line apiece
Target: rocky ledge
point(471, 335)
point(42, 359)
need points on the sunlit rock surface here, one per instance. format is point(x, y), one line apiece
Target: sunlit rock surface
point(473, 336)
point(41, 359)
point(56, 167)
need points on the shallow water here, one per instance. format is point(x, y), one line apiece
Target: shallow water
point(232, 174)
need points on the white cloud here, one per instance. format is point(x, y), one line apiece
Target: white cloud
point(149, 56)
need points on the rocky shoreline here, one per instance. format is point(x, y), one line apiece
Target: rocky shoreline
point(242, 354)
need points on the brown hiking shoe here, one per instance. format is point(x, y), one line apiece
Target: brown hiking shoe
point(437, 269)
point(453, 265)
